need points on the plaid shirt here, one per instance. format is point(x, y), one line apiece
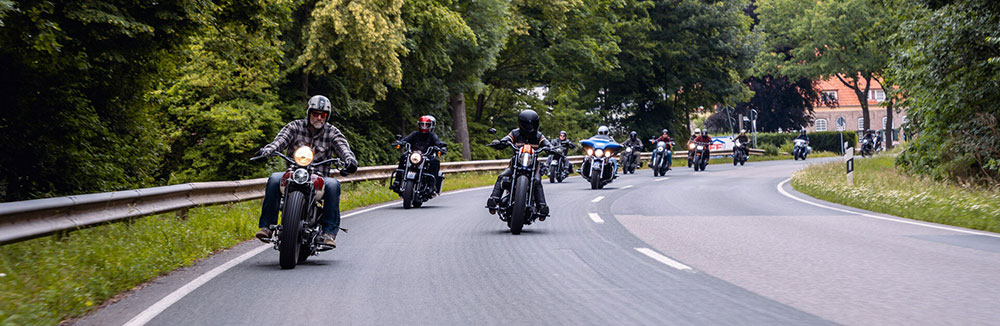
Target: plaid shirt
point(324, 142)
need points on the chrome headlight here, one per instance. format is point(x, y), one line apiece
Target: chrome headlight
point(303, 156)
point(628, 149)
point(590, 151)
point(701, 147)
point(659, 149)
point(691, 146)
point(300, 176)
point(525, 159)
point(416, 158)
point(599, 152)
point(608, 153)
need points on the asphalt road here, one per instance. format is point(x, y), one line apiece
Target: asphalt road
point(727, 249)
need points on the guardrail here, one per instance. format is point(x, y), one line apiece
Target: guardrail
point(34, 218)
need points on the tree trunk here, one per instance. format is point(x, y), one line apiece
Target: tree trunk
point(480, 104)
point(888, 124)
point(305, 83)
point(457, 102)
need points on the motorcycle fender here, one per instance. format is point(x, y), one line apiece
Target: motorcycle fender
point(596, 165)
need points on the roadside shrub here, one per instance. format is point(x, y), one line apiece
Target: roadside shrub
point(820, 140)
point(770, 149)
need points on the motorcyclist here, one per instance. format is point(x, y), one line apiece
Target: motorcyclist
point(325, 140)
point(565, 143)
point(664, 137)
point(704, 138)
point(803, 135)
point(420, 141)
point(743, 137)
point(604, 133)
point(869, 135)
point(634, 143)
point(526, 133)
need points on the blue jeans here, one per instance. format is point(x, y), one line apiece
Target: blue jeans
point(670, 158)
point(272, 201)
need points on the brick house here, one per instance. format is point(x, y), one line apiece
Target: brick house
point(840, 101)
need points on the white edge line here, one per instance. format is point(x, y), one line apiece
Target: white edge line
point(663, 259)
point(626, 187)
point(597, 199)
point(596, 218)
point(147, 315)
point(893, 219)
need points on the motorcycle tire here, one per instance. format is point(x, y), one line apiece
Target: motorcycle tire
point(407, 194)
point(735, 160)
point(520, 208)
point(595, 181)
point(552, 175)
point(291, 226)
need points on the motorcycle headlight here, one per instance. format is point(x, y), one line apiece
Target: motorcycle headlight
point(659, 149)
point(608, 153)
point(599, 152)
point(416, 158)
point(590, 151)
point(691, 146)
point(700, 147)
point(628, 149)
point(303, 156)
point(300, 176)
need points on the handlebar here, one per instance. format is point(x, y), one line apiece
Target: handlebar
point(336, 162)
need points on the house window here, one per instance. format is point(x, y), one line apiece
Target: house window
point(877, 95)
point(861, 123)
point(828, 97)
point(820, 124)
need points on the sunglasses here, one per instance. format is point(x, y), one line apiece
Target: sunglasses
point(321, 115)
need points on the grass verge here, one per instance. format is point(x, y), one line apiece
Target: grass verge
point(879, 187)
point(46, 280)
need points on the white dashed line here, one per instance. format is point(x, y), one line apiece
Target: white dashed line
point(626, 187)
point(597, 218)
point(661, 179)
point(663, 259)
point(597, 199)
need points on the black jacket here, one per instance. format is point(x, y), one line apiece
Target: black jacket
point(632, 142)
point(517, 137)
point(800, 136)
point(420, 141)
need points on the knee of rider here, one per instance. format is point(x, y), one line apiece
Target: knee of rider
point(332, 186)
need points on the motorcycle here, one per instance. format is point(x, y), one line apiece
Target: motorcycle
point(599, 168)
point(801, 149)
point(301, 208)
point(740, 154)
point(556, 165)
point(878, 143)
point(517, 205)
point(660, 162)
point(631, 159)
point(417, 186)
point(700, 155)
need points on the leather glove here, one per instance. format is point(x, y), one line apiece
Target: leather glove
point(264, 152)
point(352, 166)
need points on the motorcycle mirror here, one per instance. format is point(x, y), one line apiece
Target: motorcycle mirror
point(492, 131)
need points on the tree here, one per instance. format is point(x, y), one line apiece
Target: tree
point(825, 39)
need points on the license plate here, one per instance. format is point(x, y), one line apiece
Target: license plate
point(553, 163)
point(411, 175)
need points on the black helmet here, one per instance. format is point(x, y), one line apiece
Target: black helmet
point(319, 103)
point(633, 134)
point(664, 131)
point(528, 121)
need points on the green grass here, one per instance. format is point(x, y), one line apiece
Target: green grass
point(46, 280)
point(879, 187)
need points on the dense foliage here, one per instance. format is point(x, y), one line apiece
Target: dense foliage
point(107, 95)
point(829, 141)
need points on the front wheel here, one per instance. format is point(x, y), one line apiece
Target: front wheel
point(520, 209)
point(553, 172)
point(407, 194)
point(595, 180)
point(291, 226)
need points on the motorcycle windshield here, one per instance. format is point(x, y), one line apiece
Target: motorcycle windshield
point(600, 143)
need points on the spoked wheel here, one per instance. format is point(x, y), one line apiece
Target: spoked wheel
point(407, 194)
point(519, 215)
point(291, 225)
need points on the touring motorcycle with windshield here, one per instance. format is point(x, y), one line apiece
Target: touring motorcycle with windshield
point(301, 207)
point(599, 166)
point(801, 149)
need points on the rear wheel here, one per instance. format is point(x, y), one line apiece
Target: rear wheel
point(518, 216)
point(291, 226)
point(407, 194)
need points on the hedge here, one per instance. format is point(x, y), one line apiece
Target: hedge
point(820, 140)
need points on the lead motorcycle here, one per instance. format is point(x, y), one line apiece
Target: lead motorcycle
point(417, 186)
point(631, 159)
point(700, 160)
point(517, 205)
point(740, 153)
point(660, 162)
point(599, 166)
point(301, 207)
point(801, 149)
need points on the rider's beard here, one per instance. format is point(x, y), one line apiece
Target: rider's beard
point(317, 124)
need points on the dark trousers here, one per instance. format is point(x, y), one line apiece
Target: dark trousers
point(272, 201)
point(506, 174)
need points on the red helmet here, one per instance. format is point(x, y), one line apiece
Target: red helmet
point(426, 123)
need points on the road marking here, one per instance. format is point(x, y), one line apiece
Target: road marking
point(597, 199)
point(626, 187)
point(896, 219)
point(661, 179)
point(663, 259)
point(146, 315)
point(597, 218)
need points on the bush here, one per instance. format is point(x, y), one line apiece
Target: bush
point(770, 149)
point(820, 140)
